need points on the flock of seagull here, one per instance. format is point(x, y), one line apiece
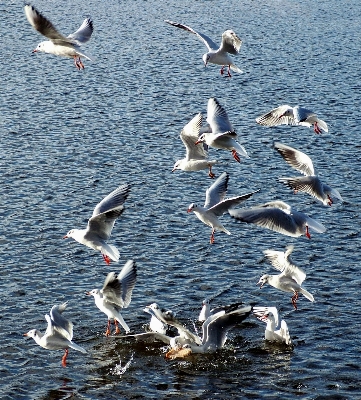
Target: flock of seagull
point(278, 216)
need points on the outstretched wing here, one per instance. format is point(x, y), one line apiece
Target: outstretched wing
point(217, 118)
point(295, 158)
point(107, 211)
point(231, 43)
point(82, 35)
point(43, 25)
point(282, 115)
point(217, 191)
point(118, 289)
point(189, 136)
point(205, 39)
point(225, 205)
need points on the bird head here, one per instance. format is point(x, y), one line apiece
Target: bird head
point(262, 281)
point(192, 207)
point(201, 139)
point(206, 58)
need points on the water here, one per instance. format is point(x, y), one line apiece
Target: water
point(68, 138)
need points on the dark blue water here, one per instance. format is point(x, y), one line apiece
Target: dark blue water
point(68, 138)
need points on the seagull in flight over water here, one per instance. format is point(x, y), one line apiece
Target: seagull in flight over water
point(219, 55)
point(216, 204)
point(291, 277)
point(58, 44)
point(310, 183)
point(100, 225)
point(116, 294)
point(287, 115)
point(58, 334)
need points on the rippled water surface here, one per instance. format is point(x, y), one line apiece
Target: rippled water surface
point(68, 138)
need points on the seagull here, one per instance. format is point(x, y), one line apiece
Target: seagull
point(116, 294)
point(280, 217)
point(215, 330)
point(216, 204)
point(287, 115)
point(196, 156)
point(58, 334)
point(310, 183)
point(276, 329)
point(291, 277)
point(59, 44)
point(100, 225)
point(231, 44)
point(220, 134)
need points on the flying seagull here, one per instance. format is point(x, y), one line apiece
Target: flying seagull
point(219, 55)
point(58, 44)
point(100, 225)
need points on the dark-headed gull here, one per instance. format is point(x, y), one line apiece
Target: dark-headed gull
point(215, 329)
point(58, 334)
point(220, 134)
point(101, 224)
point(291, 277)
point(219, 55)
point(59, 44)
point(310, 183)
point(287, 115)
point(279, 217)
point(196, 156)
point(216, 205)
point(276, 329)
point(116, 294)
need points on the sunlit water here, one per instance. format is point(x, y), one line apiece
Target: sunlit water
point(68, 138)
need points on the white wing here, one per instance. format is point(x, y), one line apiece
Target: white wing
point(217, 191)
point(231, 43)
point(82, 35)
point(282, 115)
point(189, 136)
point(205, 39)
point(295, 158)
point(217, 117)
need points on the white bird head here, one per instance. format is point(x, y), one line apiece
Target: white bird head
point(42, 47)
point(206, 57)
point(177, 165)
point(69, 234)
point(201, 139)
point(32, 333)
point(94, 292)
point(263, 280)
point(192, 207)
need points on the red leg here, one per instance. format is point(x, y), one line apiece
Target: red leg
point(330, 201)
point(107, 332)
point(81, 65)
point(211, 241)
point(294, 300)
point(221, 70)
point(295, 191)
point(210, 173)
point(76, 62)
point(307, 234)
point(117, 330)
point(316, 128)
point(63, 360)
point(229, 71)
point(106, 259)
point(236, 156)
